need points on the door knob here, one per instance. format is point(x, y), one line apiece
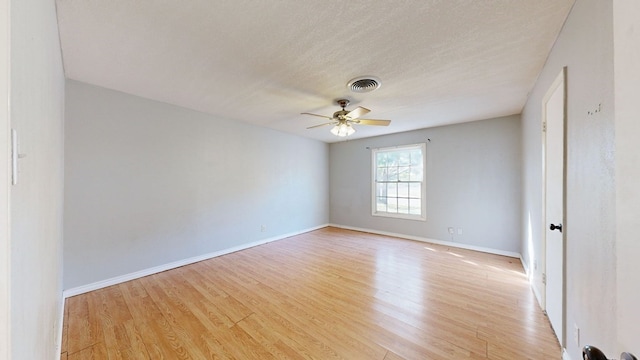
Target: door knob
point(592, 353)
point(556, 227)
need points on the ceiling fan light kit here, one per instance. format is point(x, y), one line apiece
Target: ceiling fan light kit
point(343, 130)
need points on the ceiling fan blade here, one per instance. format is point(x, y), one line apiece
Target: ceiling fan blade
point(322, 116)
point(315, 126)
point(357, 112)
point(373, 122)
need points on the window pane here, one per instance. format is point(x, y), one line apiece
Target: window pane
point(416, 174)
point(392, 174)
point(403, 206)
point(392, 205)
point(403, 190)
point(414, 206)
point(416, 157)
point(415, 190)
point(381, 159)
point(392, 158)
point(392, 190)
point(403, 173)
point(381, 189)
point(404, 158)
point(381, 174)
point(381, 204)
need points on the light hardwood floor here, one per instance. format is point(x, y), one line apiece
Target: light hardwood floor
point(327, 294)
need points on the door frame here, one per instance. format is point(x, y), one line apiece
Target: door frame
point(5, 182)
point(561, 79)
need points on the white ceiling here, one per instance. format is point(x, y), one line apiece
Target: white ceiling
point(264, 62)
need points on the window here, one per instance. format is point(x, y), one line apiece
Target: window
point(398, 182)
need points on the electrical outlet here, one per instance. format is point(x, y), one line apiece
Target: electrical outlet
point(263, 228)
point(576, 334)
point(451, 230)
point(459, 231)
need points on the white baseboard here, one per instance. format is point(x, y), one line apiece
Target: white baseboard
point(565, 355)
point(176, 264)
point(433, 241)
point(154, 270)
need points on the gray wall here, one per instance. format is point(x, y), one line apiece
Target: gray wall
point(147, 183)
point(585, 46)
point(37, 105)
point(473, 182)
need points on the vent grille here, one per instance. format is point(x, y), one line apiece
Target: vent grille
point(364, 84)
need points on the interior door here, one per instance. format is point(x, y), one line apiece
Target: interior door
point(554, 150)
point(5, 155)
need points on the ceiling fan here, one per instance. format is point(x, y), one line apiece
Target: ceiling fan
point(344, 119)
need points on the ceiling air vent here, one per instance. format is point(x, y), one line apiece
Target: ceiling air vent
point(364, 84)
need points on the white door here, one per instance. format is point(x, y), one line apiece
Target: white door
point(554, 122)
point(5, 274)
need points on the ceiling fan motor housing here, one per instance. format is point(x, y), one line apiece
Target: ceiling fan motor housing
point(340, 114)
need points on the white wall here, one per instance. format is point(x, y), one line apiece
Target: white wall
point(37, 105)
point(147, 184)
point(473, 182)
point(627, 82)
point(585, 46)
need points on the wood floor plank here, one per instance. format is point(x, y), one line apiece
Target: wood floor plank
point(84, 327)
point(158, 338)
point(112, 315)
point(392, 356)
point(192, 326)
point(136, 348)
point(456, 340)
point(271, 340)
point(270, 315)
point(327, 294)
point(222, 308)
point(94, 352)
point(353, 340)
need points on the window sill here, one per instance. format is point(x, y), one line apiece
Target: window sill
point(400, 216)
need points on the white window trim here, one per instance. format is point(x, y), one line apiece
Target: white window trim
point(423, 207)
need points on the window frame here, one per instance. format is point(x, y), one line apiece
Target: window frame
point(374, 182)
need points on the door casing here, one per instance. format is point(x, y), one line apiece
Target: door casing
point(553, 253)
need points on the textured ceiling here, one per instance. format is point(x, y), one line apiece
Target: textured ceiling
point(264, 62)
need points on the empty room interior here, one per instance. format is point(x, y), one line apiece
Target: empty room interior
point(319, 179)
